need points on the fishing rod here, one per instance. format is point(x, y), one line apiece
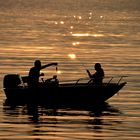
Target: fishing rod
point(73, 55)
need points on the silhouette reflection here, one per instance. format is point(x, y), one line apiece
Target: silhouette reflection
point(99, 113)
point(35, 112)
point(43, 120)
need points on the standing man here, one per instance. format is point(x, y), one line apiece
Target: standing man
point(34, 73)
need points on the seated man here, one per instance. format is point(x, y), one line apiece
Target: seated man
point(34, 73)
point(98, 75)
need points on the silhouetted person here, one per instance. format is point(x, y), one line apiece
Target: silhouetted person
point(34, 73)
point(98, 75)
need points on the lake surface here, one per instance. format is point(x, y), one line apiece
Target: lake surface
point(104, 31)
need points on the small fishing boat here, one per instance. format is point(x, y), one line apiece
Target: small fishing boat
point(79, 92)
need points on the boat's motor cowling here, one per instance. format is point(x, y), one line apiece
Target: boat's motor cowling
point(11, 81)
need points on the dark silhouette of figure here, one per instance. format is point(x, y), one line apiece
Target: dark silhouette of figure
point(34, 73)
point(98, 76)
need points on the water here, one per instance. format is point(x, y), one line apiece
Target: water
point(105, 31)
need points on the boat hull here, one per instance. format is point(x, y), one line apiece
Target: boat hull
point(63, 94)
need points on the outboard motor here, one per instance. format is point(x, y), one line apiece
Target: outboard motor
point(11, 81)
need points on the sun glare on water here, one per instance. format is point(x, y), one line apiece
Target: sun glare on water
point(59, 72)
point(72, 56)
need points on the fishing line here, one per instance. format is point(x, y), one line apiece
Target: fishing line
point(74, 55)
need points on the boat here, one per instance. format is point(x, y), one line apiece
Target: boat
point(53, 92)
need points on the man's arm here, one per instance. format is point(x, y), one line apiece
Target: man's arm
point(89, 74)
point(50, 64)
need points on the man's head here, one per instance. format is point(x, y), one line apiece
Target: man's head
point(37, 63)
point(97, 66)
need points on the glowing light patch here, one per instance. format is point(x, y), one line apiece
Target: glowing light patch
point(79, 17)
point(87, 34)
point(59, 72)
point(75, 43)
point(61, 22)
point(71, 27)
point(72, 56)
point(101, 16)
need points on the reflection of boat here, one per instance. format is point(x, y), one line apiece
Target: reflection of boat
point(72, 93)
point(35, 112)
